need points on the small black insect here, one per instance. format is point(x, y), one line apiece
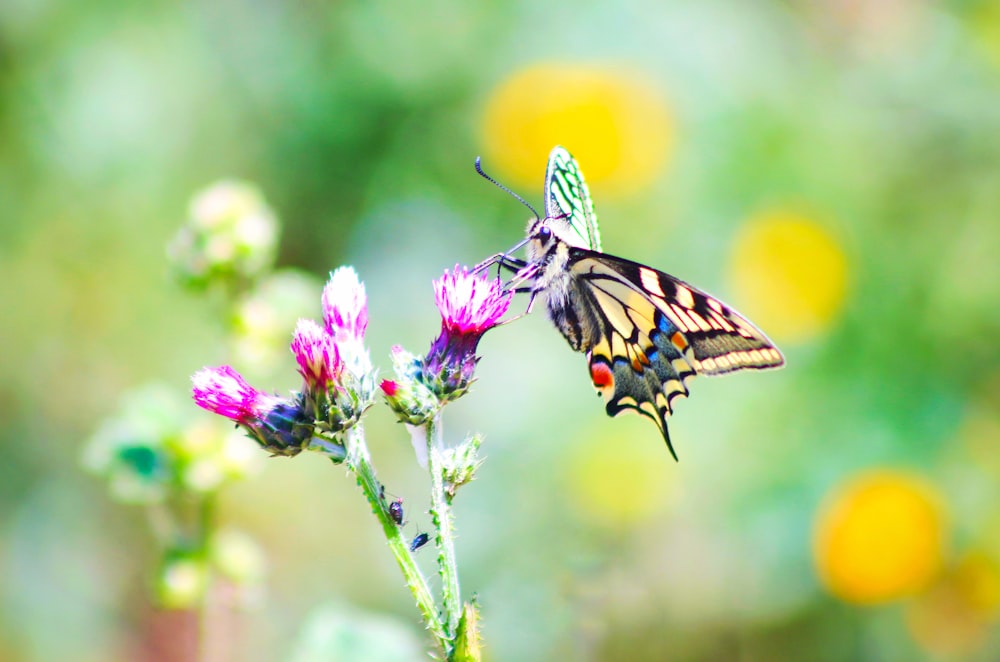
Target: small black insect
point(396, 511)
point(419, 541)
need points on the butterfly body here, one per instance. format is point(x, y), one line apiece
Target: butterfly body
point(645, 333)
point(555, 285)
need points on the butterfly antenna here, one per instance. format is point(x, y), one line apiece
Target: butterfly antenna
point(479, 169)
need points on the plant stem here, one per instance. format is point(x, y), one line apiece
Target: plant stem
point(359, 463)
point(451, 596)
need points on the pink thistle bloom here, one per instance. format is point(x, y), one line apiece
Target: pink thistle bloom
point(345, 306)
point(345, 313)
point(317, 355)
point(223, 391)
point(470, 305)
point(389, 387)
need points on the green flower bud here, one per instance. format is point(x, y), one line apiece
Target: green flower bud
point(459, 465)
point(407, 395)
point(230, 236)
point(181, 581)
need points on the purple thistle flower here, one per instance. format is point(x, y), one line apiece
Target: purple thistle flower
point(317, 355)
point(470, 305)
point(345, 306)
point(223, 391)
point(278, 425)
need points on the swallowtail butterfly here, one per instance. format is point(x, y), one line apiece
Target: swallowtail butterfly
point(645, 333)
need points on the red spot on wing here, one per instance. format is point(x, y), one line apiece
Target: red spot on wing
point(601, 375)
point(678, 340)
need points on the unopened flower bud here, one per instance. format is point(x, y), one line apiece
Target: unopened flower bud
point(459, 465)
point(406, 395)
point(182, 580)
point(286, 430)
point(231, 234)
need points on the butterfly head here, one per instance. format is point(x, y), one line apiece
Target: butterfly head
point(539, 236)
point(546, 237)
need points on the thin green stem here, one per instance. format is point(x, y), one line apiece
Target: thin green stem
point(451, 596)
point(359, 463)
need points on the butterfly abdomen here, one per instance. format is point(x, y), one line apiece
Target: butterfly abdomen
point(574, 313)
point(557, 287)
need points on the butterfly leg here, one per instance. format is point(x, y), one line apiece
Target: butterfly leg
point(525, 274)
point(527, 311)
point(511, 264)
point(501, 260)
point(488, 262)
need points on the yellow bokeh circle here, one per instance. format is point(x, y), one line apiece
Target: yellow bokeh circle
point(789, 274)
point(879, 537)
point(613, 122)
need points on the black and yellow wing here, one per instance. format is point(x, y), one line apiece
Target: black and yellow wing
point(650, 333)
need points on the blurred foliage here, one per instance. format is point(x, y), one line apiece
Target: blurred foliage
point(827, 167)
point(338, 633)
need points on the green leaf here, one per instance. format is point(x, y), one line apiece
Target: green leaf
point(467, 642)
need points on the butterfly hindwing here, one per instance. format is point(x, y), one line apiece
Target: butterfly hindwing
point(567, 199)
point(647, 384)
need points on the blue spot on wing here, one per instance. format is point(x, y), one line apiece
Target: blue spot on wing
point(664, 324)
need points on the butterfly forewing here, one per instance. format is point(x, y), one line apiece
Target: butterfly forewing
point(714, 338)
point(567, 200)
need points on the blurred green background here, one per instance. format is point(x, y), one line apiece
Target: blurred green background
point(830, 168)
